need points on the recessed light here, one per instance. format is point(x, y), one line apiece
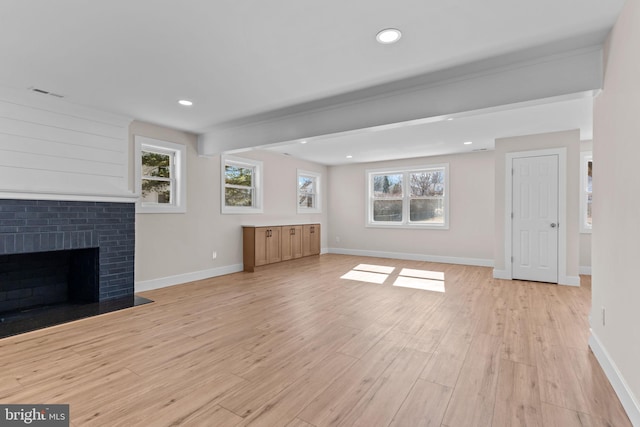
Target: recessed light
point(349, 156)
point(185, 103)
point(468, 142)
point(388, 36)
point(449, 119)
point(303, 141)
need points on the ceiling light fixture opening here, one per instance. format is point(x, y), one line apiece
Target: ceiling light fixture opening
point(468, 143)
point(303, 141)
point(388, 36)
point(185, 103)
point(349, 156)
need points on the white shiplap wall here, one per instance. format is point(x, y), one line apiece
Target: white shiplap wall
point(51, 148)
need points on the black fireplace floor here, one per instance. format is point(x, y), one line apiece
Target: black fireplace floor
point(18, 322)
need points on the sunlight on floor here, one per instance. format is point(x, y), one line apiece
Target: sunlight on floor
point(425, 280)
point(416, 283)
point(366, 276)
point(422, 274)
point(374, 268)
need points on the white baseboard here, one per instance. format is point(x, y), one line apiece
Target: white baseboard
point(163, 282)
point(628, 400)
point(414, 257)
point(586, 270)
point(564, 280)
point(501, 274)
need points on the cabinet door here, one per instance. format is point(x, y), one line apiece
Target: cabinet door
point(286, 238)
point(274, 245)
point(291, 242)
point(261, 246)
point(311, 239)
point(296, 241)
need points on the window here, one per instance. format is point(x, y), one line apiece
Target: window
point(160, 176)
point(308, 192)
point(586, 178)
point(241, 185)
point(409, 197)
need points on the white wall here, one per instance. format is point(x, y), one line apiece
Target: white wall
point(50, 148)
point(175, 248)
point(616, 213)
point(469, 238)
point(567, 139)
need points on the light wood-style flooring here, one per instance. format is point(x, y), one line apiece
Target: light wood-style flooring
point(294, 344)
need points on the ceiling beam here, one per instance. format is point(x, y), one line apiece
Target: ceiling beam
point(440, 94)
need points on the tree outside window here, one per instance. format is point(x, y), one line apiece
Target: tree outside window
point(308, 192)
point(239, 189)
point(241, 185)
point(160, 176)
point(156, 177)
point(412, 197)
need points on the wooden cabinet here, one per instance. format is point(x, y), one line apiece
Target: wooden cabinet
point(291, 242)
point(310, 239)
point(266, 245)
point(261, 246)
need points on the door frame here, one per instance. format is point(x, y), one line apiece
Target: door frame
point(561, 152)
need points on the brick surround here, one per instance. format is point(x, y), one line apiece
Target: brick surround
point(45, 225)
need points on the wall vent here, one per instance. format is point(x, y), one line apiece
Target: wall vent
point(45, 92)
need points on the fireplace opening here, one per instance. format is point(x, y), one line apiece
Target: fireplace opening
point(39, 279)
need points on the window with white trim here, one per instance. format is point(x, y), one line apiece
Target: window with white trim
point(308, 192)
point(586, 196)
point(415, 197)
point(241, 185)
point(160, 176)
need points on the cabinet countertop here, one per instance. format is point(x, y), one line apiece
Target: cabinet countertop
point(284, 224)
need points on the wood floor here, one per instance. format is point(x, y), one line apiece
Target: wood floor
point(294, 344)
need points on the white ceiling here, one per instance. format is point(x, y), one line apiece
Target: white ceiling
point(240, 59)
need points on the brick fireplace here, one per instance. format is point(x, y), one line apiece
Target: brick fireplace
point(53, 252)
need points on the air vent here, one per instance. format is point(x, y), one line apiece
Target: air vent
point(480, 149)
point(46, 92)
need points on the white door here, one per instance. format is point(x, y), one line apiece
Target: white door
point(535, 218)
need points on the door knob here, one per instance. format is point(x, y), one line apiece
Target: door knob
point(554, 225)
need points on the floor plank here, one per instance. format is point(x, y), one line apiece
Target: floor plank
point(424, 406)
point(474, 395)
point(381, 402)
point(518, 396)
